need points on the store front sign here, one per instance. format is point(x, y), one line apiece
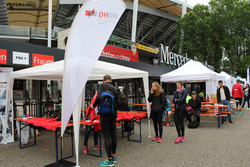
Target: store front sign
point(3, 56)
point(120, 53)
point(38, 59)
point(20, 58)
point(170, 58)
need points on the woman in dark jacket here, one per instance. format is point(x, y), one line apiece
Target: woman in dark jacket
point(246, 96)
point(179, 100)
point(158, 106)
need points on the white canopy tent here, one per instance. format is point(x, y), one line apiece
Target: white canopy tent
point(229, 80)
point(54, 71)
point(194, 71)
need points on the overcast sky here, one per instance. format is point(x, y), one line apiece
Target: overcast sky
point(194, 2)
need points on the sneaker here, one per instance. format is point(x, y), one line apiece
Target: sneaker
point(114, 160)
point(107, 163)
point(97, 147)
point(167, 124)
point(160, 140)
point(179, 140)
point(183, 138)
point(230, 121)
point(172, 124)
point(85, 150)
point(242, 114)
point(155, 138)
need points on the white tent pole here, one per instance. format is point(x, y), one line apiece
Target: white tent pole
point(83, 101)
point(210, 88)
point(146, 89)
point(76, 120)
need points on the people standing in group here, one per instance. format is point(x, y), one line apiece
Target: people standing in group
point(167, 114)
point(158, 106)
point(223, 97)
point(108, 95)
point(195, 103)
point(246, 96)
point(238, 94)
point(179, 100)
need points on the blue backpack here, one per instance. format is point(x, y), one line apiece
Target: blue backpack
point(106, 105)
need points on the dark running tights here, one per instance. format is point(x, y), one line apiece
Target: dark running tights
point(108, 124)
point(179, 121)
point(157, 118)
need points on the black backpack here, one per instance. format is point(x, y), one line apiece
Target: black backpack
point(193, 124)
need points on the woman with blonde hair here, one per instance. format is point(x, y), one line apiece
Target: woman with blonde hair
point(158, 106)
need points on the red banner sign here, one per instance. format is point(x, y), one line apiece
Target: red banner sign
point(38, 59)
point(119, 53)
point(3, 56)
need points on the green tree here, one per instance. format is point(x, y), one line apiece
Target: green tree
point(208, 30)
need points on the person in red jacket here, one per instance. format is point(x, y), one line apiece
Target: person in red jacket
point(237, 93)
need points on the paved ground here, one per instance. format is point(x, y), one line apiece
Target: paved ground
point(207, 146)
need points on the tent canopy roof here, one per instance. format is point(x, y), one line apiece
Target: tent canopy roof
point(192, 71)
point(226, 75)
point(54, 71)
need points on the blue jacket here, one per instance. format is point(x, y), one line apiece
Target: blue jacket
point(180, 103)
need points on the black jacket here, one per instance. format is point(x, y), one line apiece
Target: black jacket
point(181, 99)
point(227, 94)
point(248, 91)
point(158, 102)
point(122, 103)
point(195, 104)
point(108, 86)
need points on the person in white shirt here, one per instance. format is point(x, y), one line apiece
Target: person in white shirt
point(223, 97)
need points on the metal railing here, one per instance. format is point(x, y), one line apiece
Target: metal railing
point(23, 31)
point(120, 42)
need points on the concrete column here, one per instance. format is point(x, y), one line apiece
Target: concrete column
point(49, 38)
point(134, 23)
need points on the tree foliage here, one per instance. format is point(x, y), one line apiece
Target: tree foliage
point(217, 33)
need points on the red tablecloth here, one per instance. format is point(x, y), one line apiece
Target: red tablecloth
point(47, 123)
point(52, 124)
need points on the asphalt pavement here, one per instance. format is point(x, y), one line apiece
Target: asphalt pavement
point(206, 146)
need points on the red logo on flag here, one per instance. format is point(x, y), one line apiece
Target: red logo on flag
point(90, 13)
point(38, 59)
point(3, 56)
